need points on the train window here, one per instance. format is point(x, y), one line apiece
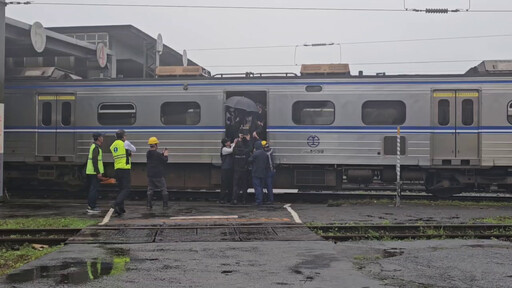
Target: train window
point(46, 118)
point(116, 114)
point(313, 112)
point(443, 112)
point(314, 88)
point(65, 118)
point(509, 112)
point(383, 112)
point(467, 112)
point(180, 113)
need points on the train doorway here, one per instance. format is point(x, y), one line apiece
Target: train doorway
point(455, 119)
point(238, 118)
point(56, 124)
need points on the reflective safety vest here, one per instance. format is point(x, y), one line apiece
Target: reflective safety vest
point(90, 167)
point(121, 161)
point(116, 267)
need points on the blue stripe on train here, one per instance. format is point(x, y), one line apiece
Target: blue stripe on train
point(273, 129)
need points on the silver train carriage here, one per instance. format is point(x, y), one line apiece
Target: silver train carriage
point(326, 130)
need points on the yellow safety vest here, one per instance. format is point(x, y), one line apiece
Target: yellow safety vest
point(120, 158)
point(90, 167)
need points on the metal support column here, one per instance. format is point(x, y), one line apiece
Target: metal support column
point(398, 182)
point(2, 80)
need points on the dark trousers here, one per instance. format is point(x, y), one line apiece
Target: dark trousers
point(239, 184)
point(226, 184)
point(157, 184)
point(258, 183)
point(123, 178)
point(92, 183)
point(270, 185)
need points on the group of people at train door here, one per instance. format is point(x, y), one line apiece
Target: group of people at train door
point(245, 160)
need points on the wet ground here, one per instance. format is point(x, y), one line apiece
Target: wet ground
point(316, 263)
point(320, 213)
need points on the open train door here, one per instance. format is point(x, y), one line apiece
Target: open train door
point(56, 121)
point(455, 119)
point(255, 119)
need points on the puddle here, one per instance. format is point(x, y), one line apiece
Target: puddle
point(76, 272)
point(393, 252)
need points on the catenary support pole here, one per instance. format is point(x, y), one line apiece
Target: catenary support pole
point(2, 81)
point(398, 192)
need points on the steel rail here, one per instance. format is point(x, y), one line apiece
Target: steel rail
point(408, 194)
point(412, 231)
point(37, 235)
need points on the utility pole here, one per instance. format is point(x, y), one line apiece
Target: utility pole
point(2, 81)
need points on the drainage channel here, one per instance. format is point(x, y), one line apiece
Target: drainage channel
point(214, 233)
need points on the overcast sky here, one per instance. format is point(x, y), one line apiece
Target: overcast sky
point(192, 28)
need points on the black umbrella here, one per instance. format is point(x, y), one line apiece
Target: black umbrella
point(243, 103)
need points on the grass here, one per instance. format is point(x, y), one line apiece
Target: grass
point(37, 222)
point(493, 220)
point(420, 202)
point(367, 257)
point(12, 259)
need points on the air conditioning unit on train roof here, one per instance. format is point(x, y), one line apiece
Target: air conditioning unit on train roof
point(324, 69)
point(40, 73)
point(492, 67)
point(176, 71)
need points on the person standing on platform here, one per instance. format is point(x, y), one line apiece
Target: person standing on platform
point(156, 162)
point(269, 180)
point(260, 166)
point(241, 154)
point(122, 151)
point(226, 180)
point(94, 172)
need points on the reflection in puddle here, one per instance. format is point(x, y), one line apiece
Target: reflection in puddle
point(393, 252)
point(76, 272)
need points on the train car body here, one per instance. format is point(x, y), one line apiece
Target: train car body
point(325, 131)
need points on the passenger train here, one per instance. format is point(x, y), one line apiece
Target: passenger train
point(327, 127)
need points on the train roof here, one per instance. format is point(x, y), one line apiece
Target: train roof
point(488, 68)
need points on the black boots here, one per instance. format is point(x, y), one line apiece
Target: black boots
point(150, 201)
point(165, 198)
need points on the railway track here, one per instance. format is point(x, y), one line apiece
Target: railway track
point(288, 197)
point(219, 233)
point(50, 236)
point(423, 231)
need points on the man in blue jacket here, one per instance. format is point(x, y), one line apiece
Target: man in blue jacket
point(260, 166)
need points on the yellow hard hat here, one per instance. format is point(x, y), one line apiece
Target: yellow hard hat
point(153, 140)
point(263, 143)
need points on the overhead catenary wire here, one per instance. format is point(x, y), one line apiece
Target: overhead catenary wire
point(355, 63)
point(355, 43)
point(101, 4)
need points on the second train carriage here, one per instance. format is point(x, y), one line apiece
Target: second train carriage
point(325, 130)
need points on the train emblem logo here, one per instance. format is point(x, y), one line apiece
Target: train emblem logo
point(313, 141)
point(115, 149)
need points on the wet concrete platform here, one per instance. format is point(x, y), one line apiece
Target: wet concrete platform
point(433, 263)
point(319, 213)
point(264, 263)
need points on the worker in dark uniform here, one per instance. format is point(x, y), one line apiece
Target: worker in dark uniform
point(269, 181)
point(241, 154)
point(156, 162)
point(122, 150)
point(226, 180)
point(94, 172)
point(260, 166)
